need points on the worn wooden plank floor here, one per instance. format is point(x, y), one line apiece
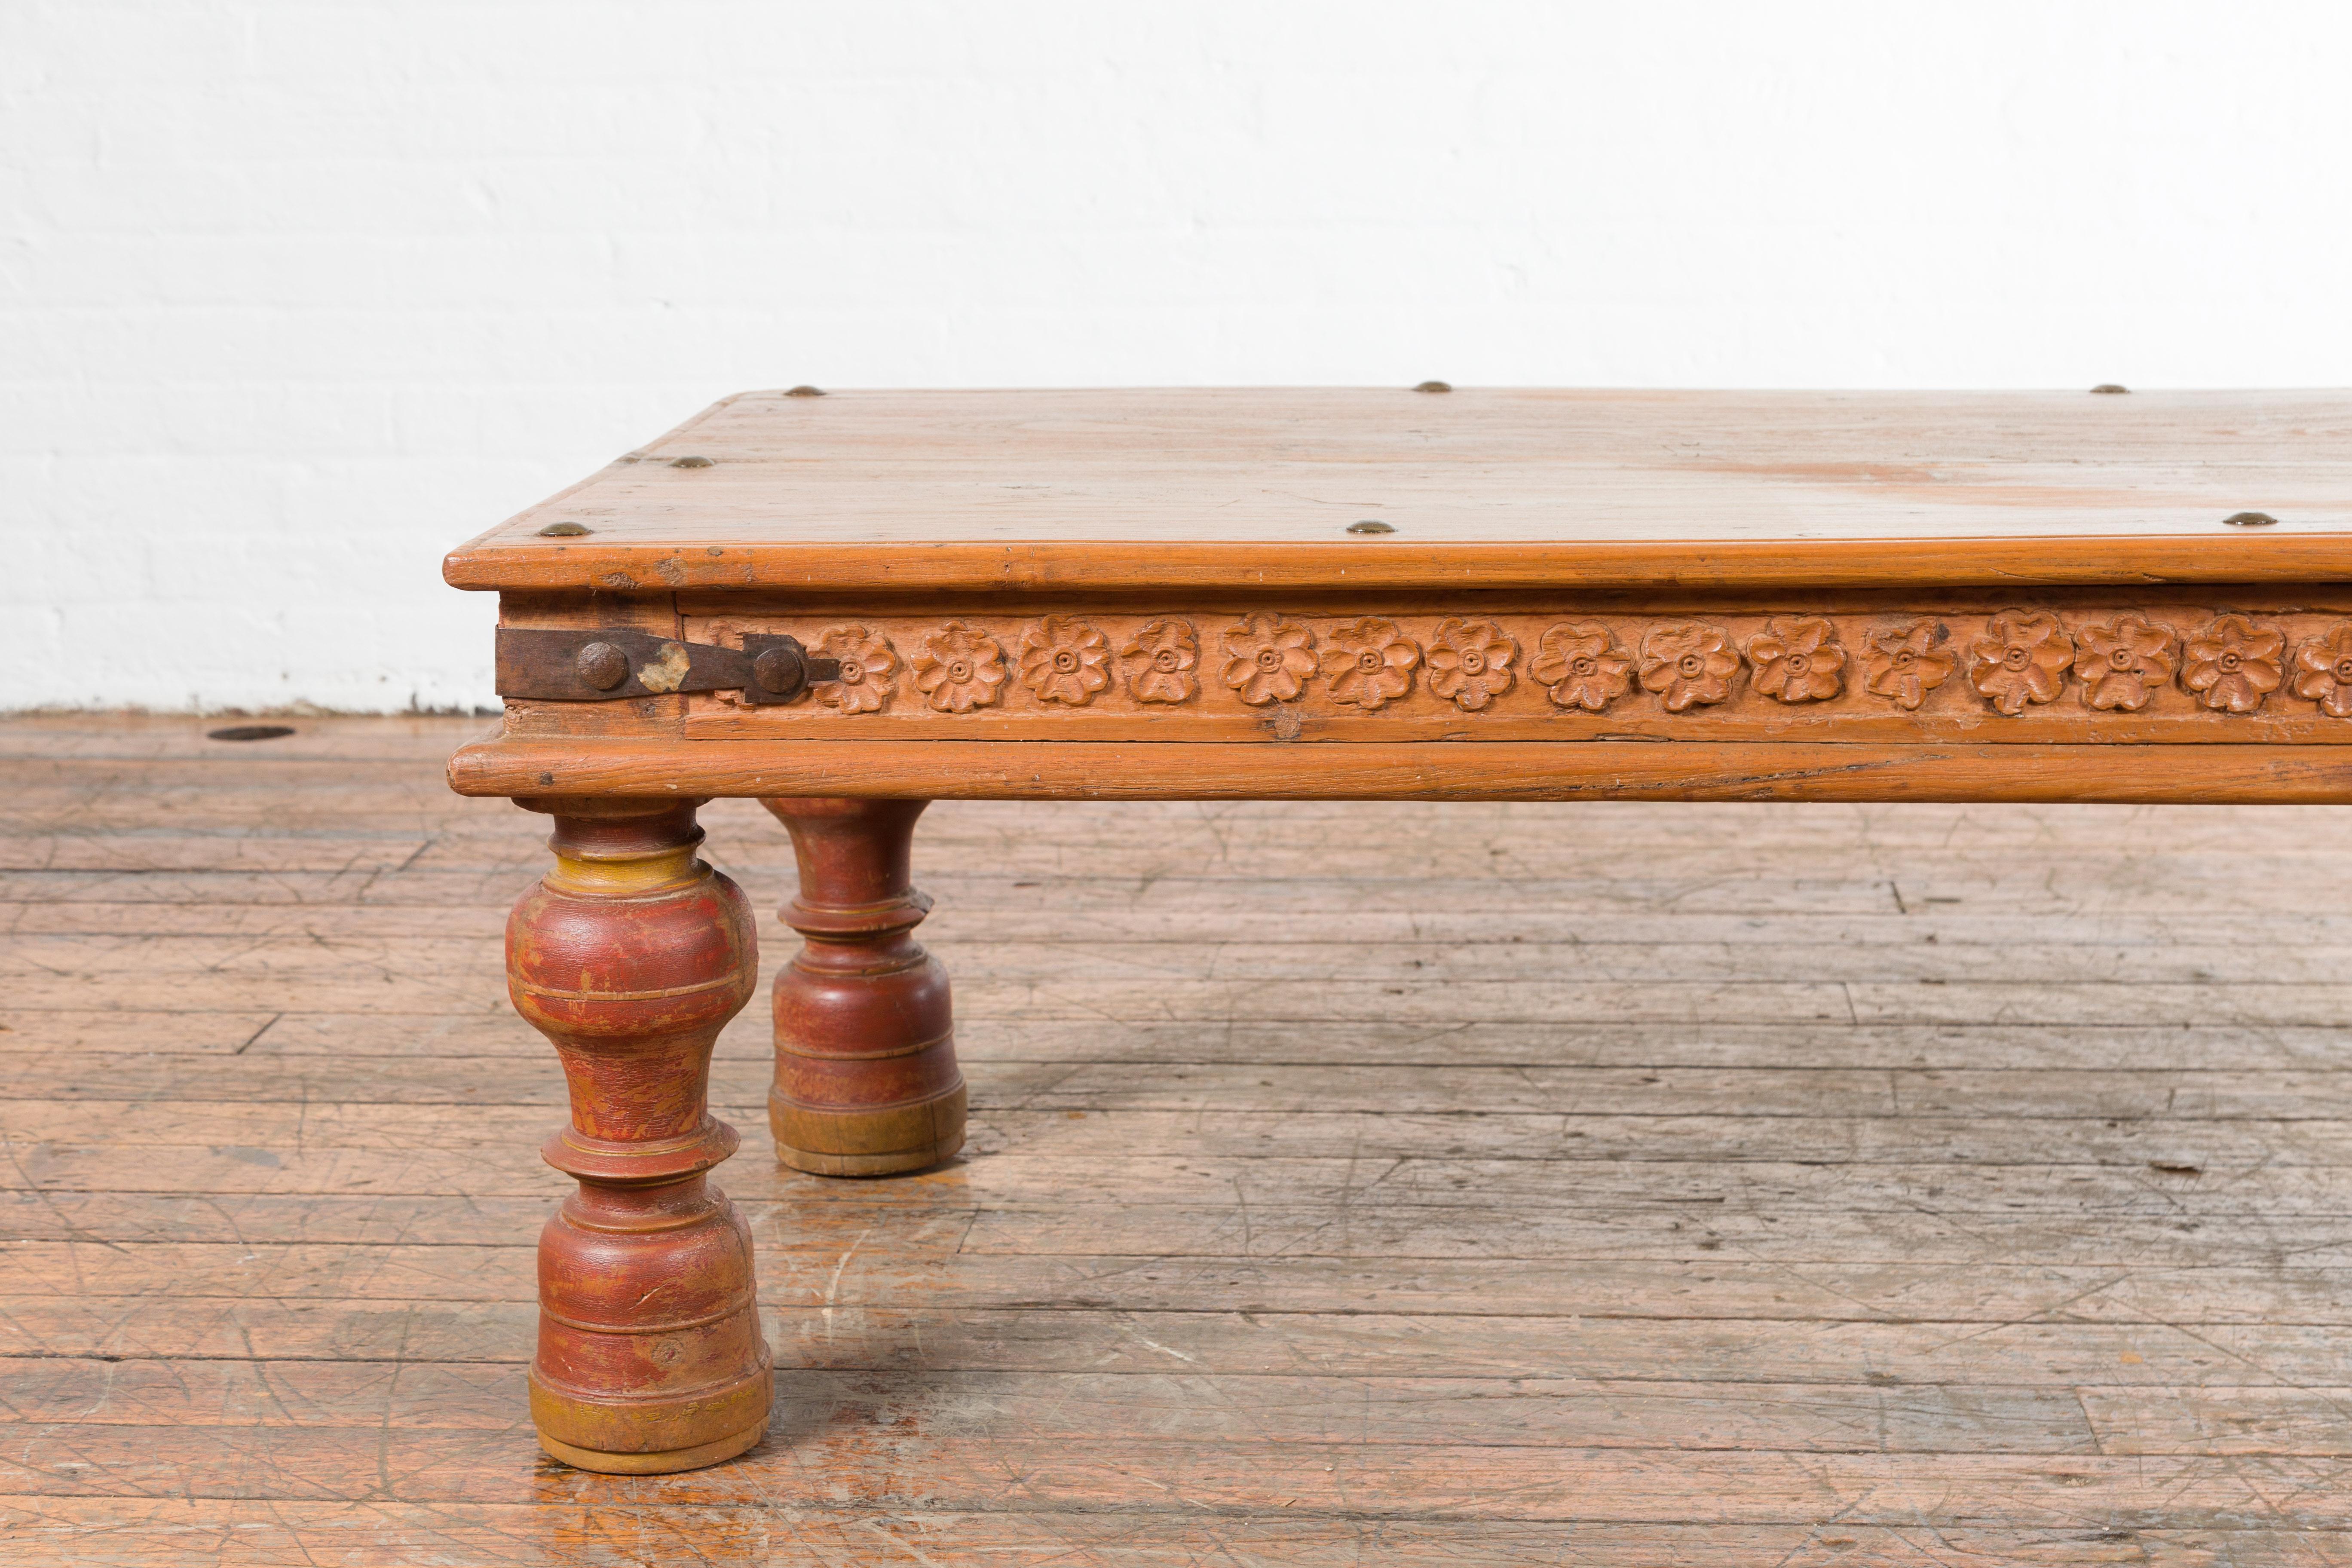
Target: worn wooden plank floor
point(1349, 1184)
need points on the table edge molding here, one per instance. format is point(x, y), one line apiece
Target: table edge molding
point(497, 562)
point(2214, 773)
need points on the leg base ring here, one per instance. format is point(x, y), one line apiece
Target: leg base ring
point(659, 1464)
point(832, 1140)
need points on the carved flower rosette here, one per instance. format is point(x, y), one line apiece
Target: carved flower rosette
point(1797, 660)
point(959, 668)
point(1063, 659)
point(2322, 671)
point(1582, 667)
point(2022, 658)
point(1268, 660)
point(1688, 666)
point(2233, 664)
point(1161, 657)
point(868, 664)
point(1908, 663)
point(1470, 662)
point(1368, 663)
point(2123, 663)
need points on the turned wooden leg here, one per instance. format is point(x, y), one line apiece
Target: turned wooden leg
point(866, 1082)
point(630, 956)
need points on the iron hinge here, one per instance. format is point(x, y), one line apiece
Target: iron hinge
point(607, 664)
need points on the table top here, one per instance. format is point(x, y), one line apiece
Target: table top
point(1476, 488)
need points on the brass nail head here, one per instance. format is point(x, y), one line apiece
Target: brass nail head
point(2109, 387)
point(2250, 520)
point(690, 463)
point(805, 392)
point(1433, 387)
point(1370, 525)
point(562, 531)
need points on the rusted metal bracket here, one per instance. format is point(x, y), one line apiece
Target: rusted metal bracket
point(604, 665)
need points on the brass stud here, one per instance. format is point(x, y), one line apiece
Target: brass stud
point(564, 530)
point(1433, 387)
point(805, 392)
point(2109, 387)
point(2250, 520)
point(1370, 525)
point(690, 463)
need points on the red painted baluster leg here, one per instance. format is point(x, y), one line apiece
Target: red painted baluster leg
point(630, 955)
point(866, 1082)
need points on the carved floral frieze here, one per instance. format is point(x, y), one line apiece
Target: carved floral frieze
point(1470, 662)
point(1161, 657)
point(2124, 662)
point(1268, 660)
point(868, 664)
point(2233, 664)
point(1908, 663)
point(1064, 660)
point(959, 668)
point(2322, 671)
point(1797, 660)
point(2022, 658)
point(1583, 667)
point(1688, 666)
point(1369, 664)
point(2225, 663)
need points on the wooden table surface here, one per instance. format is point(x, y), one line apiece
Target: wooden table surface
point(1617, 1184)
point(1483, 487)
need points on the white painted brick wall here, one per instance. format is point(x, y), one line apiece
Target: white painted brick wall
point(294, 294)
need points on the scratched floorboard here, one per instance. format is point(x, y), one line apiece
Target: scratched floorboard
point(1641, 1186)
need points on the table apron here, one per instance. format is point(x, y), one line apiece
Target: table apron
point(1462, 770)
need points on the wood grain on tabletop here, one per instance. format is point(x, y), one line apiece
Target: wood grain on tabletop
point(1141, 489)
point(1363, 1183)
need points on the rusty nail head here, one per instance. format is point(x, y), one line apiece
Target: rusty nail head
point(1370, 525)
point(781, 671)
point(690, 463)
point(2250, 520)
point(562, 531)
point(2109, 387)
point(602, 666)
point(805, 392)
point(1433, 387)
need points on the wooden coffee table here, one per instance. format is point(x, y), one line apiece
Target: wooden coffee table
point(846, 605)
